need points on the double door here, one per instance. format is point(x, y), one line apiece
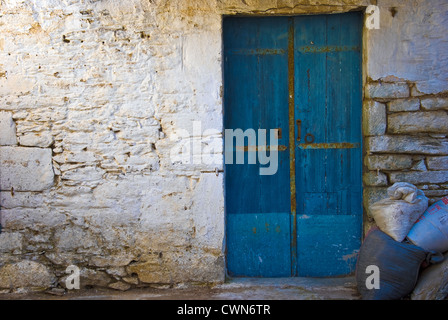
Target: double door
point(298, 78)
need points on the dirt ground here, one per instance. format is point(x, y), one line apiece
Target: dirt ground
point(235, 289)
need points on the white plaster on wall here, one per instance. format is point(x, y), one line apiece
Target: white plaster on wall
point(412, 45)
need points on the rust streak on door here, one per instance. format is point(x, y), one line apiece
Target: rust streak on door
point(292, 161)
point(341, 145)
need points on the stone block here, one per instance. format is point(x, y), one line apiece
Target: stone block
point(435, 193)
point(121, 286)
point(84, 157)
point(131, 280)
point(10, 200)
point(404, 105)
point(16, 85)
point(26, 169)
point(10, 242)
point(437, 163)
point(372, 195)
point(72, 238)
point(415, 178)
point(388, 162)
point(415, 92)
point(387, 90)
point(116, 260)
point(415, 122)
point(7, 129)
point(375, 179)
point(150, 270)
point(419, 166)
point(39, 219)
point(90, 278)
point(374, 118)
point(208, 204)
point(407, 144)
point(26, 275)
point(83, 174)
point(435, 104)
point(36, 139)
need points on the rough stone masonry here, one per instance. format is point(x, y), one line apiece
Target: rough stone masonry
point(92, 94)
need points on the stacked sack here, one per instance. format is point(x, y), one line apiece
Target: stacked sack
point(408, 234)
point(431, 230)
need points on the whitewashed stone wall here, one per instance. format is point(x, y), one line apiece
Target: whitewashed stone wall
point(93, 95)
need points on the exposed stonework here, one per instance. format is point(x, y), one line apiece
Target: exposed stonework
point(378, 179)
point(437, 163)
point(431, 177)
point(26, 169)
point(389, 162)
point(8, 135)
point(403, 144)
point(435, 104)
point(400, 105)
point(374, 114)
point(418, 122)
point(409, 143)
point(11, 243)
point(387, 90)
point(413, 148)
point(26, 275)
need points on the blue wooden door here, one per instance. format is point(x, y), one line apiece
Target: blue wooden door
point(302, 77)
point(256, 97)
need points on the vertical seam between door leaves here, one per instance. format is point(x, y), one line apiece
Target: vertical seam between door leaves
point(292, 147)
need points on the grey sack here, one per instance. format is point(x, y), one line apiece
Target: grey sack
point(398, 264)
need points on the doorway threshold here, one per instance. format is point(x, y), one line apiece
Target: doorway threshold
point(294, 288)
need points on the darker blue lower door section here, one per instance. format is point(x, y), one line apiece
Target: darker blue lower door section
point(327, 245)
point(259, 245)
